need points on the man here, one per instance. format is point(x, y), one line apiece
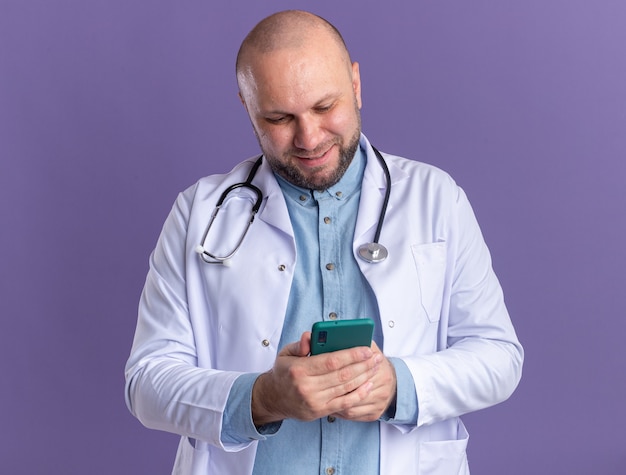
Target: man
point(221, 352)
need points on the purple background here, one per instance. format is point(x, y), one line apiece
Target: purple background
point(109, 108)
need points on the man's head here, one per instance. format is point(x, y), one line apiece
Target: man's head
point(303, 96)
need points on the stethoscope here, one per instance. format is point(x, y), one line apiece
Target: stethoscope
point(372, 252)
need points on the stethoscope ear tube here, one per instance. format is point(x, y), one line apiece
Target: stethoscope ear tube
point(210, 258)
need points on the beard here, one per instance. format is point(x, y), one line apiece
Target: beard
point(316, 179)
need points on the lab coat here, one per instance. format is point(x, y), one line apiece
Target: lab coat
point(441, 307)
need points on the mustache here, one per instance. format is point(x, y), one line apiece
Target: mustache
point(315, 153)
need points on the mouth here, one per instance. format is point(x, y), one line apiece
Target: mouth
point(314, 160)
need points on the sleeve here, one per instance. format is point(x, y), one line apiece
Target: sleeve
point(238, 425)
point(480, 359)
point(165, 388)
point(405, 408)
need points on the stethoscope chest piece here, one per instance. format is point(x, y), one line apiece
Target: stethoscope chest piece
point(373, 252)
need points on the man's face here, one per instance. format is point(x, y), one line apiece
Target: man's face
point(304, 108)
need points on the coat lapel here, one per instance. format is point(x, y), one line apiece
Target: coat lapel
point(274, 209)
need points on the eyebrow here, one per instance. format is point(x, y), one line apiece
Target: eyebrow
point(329, 97)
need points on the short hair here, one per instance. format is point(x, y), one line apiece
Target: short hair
point(286, 29)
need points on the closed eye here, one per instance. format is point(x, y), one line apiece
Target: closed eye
point(324, 108)
point(278, 120)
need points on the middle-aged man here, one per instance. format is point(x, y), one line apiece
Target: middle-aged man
point(221, 350)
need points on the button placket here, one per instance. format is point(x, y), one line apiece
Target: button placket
point(329, 254)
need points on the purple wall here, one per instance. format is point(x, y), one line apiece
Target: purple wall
point(109, 108)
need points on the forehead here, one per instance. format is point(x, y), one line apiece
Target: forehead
point(296, 77)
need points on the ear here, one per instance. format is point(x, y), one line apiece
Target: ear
point(356, 83)
point(241, 99)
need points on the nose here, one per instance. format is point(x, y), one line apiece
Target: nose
point(308, 134)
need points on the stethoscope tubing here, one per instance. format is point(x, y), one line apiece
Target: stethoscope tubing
point(383, 209)
point(373, 252)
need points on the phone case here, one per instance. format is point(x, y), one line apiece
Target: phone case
point(341, 334)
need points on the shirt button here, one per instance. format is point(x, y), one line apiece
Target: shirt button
point(330, 471)
point(332, 316)
point(330, 266)
point(303, 197)
point(391, 323)
point(281, 267)
point(331, 419)
point(265, 343)
point(339, 194)
point(327, 220)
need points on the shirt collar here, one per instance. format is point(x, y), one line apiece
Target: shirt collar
point(349, 183)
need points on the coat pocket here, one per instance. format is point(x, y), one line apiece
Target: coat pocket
point(445, 457)
point(430, 260)
point(192, 457)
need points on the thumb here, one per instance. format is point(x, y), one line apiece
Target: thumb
point(305, 344)
point(298, 348)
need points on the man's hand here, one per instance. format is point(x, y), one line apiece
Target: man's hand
point(309, 387)
point(381, 395)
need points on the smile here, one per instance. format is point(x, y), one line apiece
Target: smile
point(316, 160)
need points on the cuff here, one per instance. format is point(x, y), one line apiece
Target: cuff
point(237, 424)
point(404, 409)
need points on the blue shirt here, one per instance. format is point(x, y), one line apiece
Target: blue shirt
point(327, 285)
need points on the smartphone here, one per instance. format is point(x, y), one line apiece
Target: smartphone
point(341, 334)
